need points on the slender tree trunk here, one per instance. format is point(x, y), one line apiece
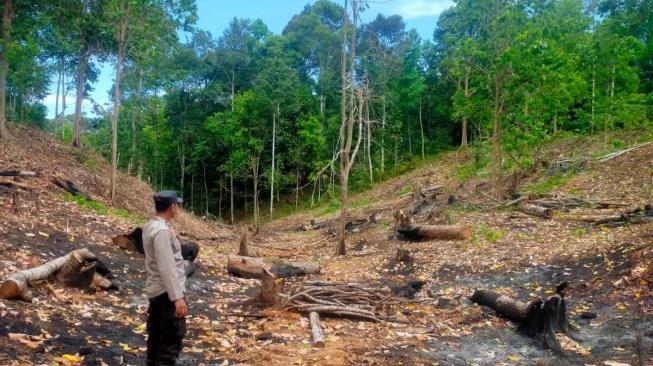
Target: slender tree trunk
point(297, 187)
point(369, 137)
point(255, 167)
point(611, 114)
point(122, 35)
point(467, 93)
point(274, 135)
point(132, 157)
point(79, 99)
point(383, 117)
point(64, 93)
point(498, 150)
point(6, 27)
point(344, 156)
point(56, 100)
point(421, 127)
point(231, 191)
point(555, 124)
point(192, 193)
point(206, 190)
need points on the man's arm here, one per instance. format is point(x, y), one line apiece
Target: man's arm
point(165, 261)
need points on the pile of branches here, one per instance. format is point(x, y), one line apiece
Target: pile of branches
point(353, 300)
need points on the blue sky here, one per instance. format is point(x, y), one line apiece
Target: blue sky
point(214, 16)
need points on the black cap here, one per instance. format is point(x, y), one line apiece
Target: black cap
point(167, 197)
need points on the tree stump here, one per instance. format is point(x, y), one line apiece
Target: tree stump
point(271, 287)
point(76, 272)
point(243, 249)
point(404, 256)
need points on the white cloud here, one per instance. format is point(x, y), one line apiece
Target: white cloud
point(419, 8)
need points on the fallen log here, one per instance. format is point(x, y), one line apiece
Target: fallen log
point(252, 267)
point(316, 330)
point(16, 285)
point(17, 173)
point(535, 210)
point(69, 186)
point(271, 287)
point(613, 155)
point(445, 232)
point(538, 317)
point(314, 225)
point(10, 183)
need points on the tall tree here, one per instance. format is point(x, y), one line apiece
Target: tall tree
point(6, 29)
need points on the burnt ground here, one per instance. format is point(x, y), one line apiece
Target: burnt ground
point(610, 271)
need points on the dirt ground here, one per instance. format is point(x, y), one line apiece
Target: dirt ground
point(609, 269)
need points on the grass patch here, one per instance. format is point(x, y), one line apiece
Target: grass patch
point(333, 207)
point(361, 203)
point(404, 191)
point(551, 182)
point(487, 233)
point(101, 209)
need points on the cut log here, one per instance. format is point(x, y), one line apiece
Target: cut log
point(252, 267)
point(17, 173)
point(445, 232)
point(316, 330)
point(535, 210)
point(16, 284)
point(539, 317)
point(69, 186)
point(76, 272)
point(271, 287)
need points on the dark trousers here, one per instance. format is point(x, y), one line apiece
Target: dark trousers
point(165, 332)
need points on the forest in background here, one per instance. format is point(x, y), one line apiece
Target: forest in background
point(249, 118)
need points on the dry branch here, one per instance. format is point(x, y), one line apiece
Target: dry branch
point(352, 300)
point(613, 155)
point(16, 285)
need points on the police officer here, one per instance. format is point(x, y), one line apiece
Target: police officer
point(166, 283)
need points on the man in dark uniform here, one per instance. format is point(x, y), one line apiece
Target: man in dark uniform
point(166, 283)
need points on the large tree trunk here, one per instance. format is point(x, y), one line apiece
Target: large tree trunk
point(445, 232)
point(252, 267)
point(535, 210)
point(16, 284)
point(6, 27)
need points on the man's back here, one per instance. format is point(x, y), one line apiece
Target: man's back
point(163, 260)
